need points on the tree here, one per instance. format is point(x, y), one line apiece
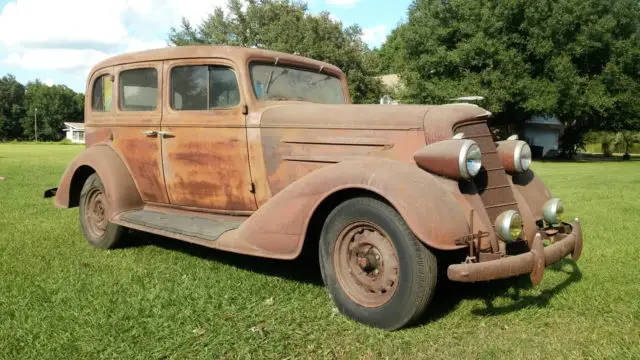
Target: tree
point(55, 105)
point(11, 107)
point(627, 139)
point(287, 26)
point(576, 59)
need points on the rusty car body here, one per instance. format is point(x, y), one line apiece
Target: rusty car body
point(259, 152)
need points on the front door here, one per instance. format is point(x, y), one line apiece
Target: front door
point(204, 146)
point(136, 124)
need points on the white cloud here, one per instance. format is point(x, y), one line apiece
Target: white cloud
point(375, 35)
point(342, 2)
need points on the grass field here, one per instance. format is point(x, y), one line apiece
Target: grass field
point(161, 299)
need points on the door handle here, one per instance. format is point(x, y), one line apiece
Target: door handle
point(150, 133)
point(165, 134)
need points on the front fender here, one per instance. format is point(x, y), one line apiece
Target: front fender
point(532, 190)
point(102, 159)
point(278, 228)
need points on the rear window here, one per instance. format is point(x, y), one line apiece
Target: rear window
point(101, 94)
point(203, 87)
point(138, 89)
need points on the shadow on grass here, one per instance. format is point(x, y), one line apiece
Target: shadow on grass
point(449, 294)
point(303, 269)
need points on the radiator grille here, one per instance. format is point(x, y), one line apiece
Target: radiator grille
point(492, 182)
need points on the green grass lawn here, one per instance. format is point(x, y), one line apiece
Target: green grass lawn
point(161, 299)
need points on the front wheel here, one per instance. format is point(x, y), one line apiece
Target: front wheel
point(94, 209)
point(375, 269)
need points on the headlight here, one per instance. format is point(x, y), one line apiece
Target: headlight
point(509, 225)
point(470, 160)
point(515, 155)
point(522, 157)
point(453, 158)
point(552, 211)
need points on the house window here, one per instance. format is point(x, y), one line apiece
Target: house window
point(203, 87)
point(101, 93)
point(81, 135)
point(75, 136)
point(138, 89)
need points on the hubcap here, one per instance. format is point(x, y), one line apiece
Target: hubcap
point(366, 264)
point(95, 213)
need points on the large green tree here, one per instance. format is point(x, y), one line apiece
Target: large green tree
point(287, 26)
point(576, 59)
point(11, 107)
point(55, 105)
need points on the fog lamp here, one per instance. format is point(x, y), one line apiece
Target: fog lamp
point(552, 211)
point(509, 225)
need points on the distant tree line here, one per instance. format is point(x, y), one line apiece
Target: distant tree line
point(51, 106)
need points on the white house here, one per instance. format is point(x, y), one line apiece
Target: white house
point(543, 131)
point(75, 132)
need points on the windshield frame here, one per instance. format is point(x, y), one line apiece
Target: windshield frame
point(328, 71)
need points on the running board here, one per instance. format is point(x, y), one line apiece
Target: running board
point(178, 225)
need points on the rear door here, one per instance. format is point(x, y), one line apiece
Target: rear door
point(136, 125)
point(204, 154)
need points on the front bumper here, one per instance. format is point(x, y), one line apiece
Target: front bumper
point(532, 262)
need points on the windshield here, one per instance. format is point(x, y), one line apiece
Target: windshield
point(277, 82)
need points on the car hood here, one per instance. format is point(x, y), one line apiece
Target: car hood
point(437, 121)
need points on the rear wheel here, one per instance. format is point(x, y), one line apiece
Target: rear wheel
point(375, 269)
point(94, 208)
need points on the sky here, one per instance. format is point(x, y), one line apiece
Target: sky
point(58, 41)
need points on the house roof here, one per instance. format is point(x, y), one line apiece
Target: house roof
point(544, 120)
point(74, 125)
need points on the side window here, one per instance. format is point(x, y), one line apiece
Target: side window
point(138, 89)
point(101, 93)
point(202, 87)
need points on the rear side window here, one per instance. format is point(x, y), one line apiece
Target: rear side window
point(202, 87)
point(138, 89)
point(101, 93)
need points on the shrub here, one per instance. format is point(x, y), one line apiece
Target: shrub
point(608, 142)
point(65, 142)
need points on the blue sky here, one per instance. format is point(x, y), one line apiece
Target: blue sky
point(57, 41)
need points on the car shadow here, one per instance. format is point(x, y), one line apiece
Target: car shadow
point(303, 269)
point(449, 294)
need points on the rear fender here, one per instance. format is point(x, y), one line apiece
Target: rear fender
point(102, 159)
point(278, 228)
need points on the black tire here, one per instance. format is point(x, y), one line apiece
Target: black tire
point(99, 232)
point(415, 266)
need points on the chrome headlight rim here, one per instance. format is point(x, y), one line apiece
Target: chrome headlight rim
point(522, 157)
point(469, 149)
point(552, 210)
point(509, 226)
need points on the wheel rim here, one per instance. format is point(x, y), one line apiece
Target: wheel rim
point(95, 212)
point(366, 264)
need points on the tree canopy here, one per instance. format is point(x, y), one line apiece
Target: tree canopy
point(578, 60)
point(287, 26)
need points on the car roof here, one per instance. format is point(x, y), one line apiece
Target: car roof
point(234, 53)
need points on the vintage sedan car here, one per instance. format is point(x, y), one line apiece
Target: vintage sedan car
point(259, 153)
